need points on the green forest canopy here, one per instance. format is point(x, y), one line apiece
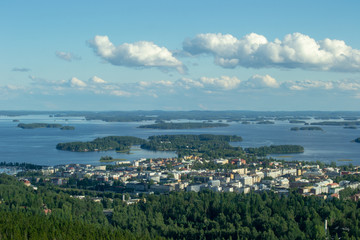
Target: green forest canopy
point(205, 145)
point(179, 215)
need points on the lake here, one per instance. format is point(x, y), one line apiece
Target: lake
point(37, 146)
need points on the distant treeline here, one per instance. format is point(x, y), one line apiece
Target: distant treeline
point(337, 123)
point(186, 125)
point(306, 129)
point(230, 115)
point(265, 122)
point(44, 125)
point(20, 165)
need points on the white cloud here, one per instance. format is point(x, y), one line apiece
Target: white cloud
point(294, 51)
point(67, 56)
point(210, 88)
point(75, 82)
point(258, 81)
point(352, 85)
point(120, 93)
point(309, 84)
point(188, 83)
point(138, 54)
point(224, 82)
point(97, 80)
point(160, 83)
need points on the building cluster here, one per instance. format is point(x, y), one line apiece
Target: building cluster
point(172, 174)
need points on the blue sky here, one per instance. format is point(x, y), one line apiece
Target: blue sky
point(179, 55)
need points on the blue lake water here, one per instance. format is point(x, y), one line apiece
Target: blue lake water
point(37, 146)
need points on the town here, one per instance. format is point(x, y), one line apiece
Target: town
point(162, 176)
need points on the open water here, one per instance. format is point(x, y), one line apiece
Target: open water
point(37, 146)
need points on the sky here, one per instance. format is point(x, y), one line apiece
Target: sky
point(179, 55)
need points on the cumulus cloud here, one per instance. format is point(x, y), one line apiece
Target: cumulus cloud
point(352, 85)
point(188, 83)
point(224, 82)
point(138, 54)
point(97, 80)
point(258, 81)
point(67, 56)
point(120, 93)
point(17, 69)
point(294, 51)
point(309, 84)
point(75, 82)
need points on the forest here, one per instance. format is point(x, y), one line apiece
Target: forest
point(205, 145)
point(118, 143)
point(51, 213)
point(275, 149)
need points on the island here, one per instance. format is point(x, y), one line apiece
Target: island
point(186, 125)
point(67, 128)
point(207, 146)
point(118, 143)
point(356, 140)
point(108, 159)
point(275, 149)
point(306, 129)
point(337, 123)
point(350, 127)
point(297, 121)
point(265, 122)
point(44, 125)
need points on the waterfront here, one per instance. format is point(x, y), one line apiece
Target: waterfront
point(37, 146)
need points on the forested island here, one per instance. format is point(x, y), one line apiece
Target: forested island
point(306, 129)
point(350, 127)
point(185, 125)
point(275, 149)
point(357, 140)
point(67, 128)
point(109, 159)
point(118, 143)
point(44, 125)
point(337, 123)
point(207, 146)
point(297, 121)
point(265, 122)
